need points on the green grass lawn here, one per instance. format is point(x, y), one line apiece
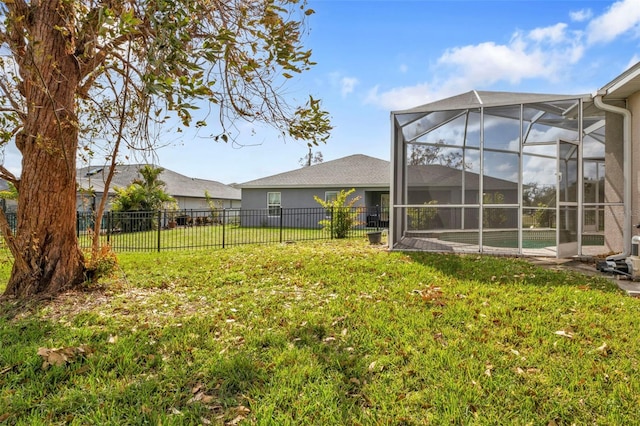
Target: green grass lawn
point(191, 237)
point(325, 333)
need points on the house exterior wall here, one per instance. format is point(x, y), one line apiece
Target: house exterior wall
point(193, 203)
point(256, 198)
point(306, 213)
point(86, 203)
point(614, 181)
point(633, 104)
point(9, 205)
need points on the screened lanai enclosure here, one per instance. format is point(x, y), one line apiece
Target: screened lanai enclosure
point(494, 172)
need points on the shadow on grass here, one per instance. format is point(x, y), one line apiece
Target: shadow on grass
point(23, 332)
point(233, 377)
point(491, 269)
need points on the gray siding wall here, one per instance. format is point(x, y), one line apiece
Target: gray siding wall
point(293, 197)
point(307, 214)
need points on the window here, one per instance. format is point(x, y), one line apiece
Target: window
point(330, 196)
point(274, 203)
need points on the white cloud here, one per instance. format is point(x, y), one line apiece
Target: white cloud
point(400, 98)
point(621, 17)
point(634, 60)
point(347, 84)
point(581, 15)
point(545, 53)
point(344, 84)
point(554, 34)
point(541, 53)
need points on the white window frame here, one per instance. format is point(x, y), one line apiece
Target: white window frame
point(272, 206)
point(330, 196)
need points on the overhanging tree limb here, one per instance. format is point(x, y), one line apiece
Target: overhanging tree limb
point(233, 55)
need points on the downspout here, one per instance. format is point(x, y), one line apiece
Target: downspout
point(626, 170)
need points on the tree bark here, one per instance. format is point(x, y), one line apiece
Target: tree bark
point(46, 241)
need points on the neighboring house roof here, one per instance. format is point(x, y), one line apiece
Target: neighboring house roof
point(437, 175)
point(177, 185)
point(479, 98)
point(348, 172)
point(364, 171)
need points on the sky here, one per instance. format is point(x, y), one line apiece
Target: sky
point(374, 57)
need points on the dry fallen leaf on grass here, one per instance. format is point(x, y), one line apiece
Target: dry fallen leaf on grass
point(62, 356)
point(242, 414)
point(488, 370)
point(201, 397)
point(564, 334)
point(603, 349)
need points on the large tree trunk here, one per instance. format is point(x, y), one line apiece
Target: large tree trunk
point(49, 257)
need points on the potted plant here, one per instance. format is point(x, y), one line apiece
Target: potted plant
point(375, 237)
point(172, 211)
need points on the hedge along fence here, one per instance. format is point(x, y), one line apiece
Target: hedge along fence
point(191, 229)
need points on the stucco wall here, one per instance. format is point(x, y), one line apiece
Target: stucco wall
point(633, 104)
point(614, 182)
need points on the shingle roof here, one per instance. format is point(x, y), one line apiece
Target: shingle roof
point(352, 171)
point(177, 185)
point(364, 171)
point(443, 176)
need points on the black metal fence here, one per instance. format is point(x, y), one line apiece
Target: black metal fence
point(190, 229)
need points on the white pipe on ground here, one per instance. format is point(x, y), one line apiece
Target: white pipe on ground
point(626, 170)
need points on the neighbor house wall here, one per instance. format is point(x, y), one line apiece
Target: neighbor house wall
point(254, 201)
point(256, 198)
point(87, 203)
point(194, 203)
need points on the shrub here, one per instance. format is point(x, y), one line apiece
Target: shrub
point(101, 264)
point(423, 218)
point(342, 216)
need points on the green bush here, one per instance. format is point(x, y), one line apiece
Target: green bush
point(422, 218)
point(342, 216)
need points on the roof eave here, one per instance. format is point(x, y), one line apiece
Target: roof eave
point(622, 86)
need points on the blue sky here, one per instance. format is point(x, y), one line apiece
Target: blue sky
point(377, 56)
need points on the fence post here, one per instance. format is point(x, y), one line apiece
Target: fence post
point(159, 228)
point(108, 226)
point(224, 224)
point(281, 224)
point(331, 227)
